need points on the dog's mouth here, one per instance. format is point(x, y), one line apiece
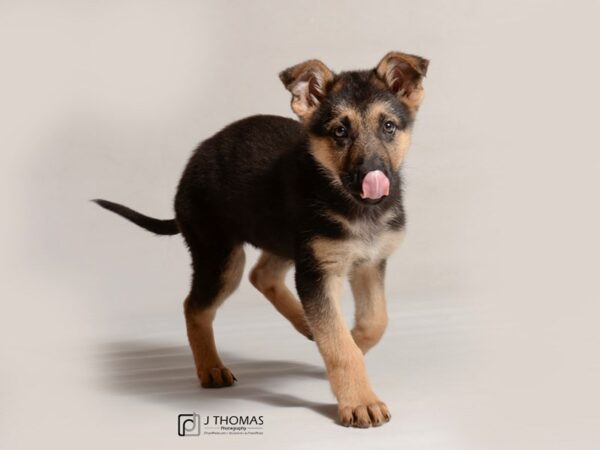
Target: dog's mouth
point(372, 189)
point(375, 185)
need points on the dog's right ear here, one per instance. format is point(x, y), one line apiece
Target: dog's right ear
point(403, 74)
point(307, 82)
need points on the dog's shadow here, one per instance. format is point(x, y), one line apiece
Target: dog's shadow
point(167, 374)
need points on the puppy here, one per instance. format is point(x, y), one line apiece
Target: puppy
point(322, 194)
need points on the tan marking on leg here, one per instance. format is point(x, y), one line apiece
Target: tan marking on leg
point(268, 276)
point(357, 403)
point(335, 256)
point(209, 367)
point(370, 308)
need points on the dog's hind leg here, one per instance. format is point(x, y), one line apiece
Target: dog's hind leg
point(217, 272)
point(268, 276)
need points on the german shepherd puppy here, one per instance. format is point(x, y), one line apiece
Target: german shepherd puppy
point(322, 194)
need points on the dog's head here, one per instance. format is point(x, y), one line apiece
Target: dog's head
point(359, 123)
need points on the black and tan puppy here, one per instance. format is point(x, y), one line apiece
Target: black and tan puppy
point(323, 195)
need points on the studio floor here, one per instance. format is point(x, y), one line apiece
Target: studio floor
point(130, 383)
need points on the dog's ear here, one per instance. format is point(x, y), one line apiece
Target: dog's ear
point(403, 75)
point(307, 82)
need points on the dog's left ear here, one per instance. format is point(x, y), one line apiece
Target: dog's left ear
point(403, 75)
point(307, 82)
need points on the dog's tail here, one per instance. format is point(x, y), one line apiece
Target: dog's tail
point(149, 223)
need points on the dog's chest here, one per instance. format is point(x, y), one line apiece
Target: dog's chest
point(365, 243)
point(370, 242)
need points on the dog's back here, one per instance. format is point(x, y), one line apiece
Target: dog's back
point(237, 183)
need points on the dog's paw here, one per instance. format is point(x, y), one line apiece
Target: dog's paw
point(216, 377)
point(365, 415)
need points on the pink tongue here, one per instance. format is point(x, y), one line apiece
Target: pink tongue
point(375, 185)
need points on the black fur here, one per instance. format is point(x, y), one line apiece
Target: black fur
point(256, 182)
point(157, 226)
point(324, 194)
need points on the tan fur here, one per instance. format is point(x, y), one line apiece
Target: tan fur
point(333, 160)
point(306, 82)
point(363, 228)
point(268, 276)
point(400, 147)
point(338, 256)
point(324, 153)
point(357, 403)
point(350, 112)
point(404, 73)
point(371, 319)
point(337, 86)
point(395, 151)
point(324, 149)
point(415, 98)
point(342, 350)
point(209, 367)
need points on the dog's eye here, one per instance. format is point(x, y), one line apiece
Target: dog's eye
point(389, 127)
point(340, 132)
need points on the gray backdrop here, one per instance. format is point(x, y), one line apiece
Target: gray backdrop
point(493, 296)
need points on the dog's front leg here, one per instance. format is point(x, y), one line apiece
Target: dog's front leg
point(370, 310)
point(319, 290)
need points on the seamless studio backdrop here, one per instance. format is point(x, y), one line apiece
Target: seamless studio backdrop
point(493, 298)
